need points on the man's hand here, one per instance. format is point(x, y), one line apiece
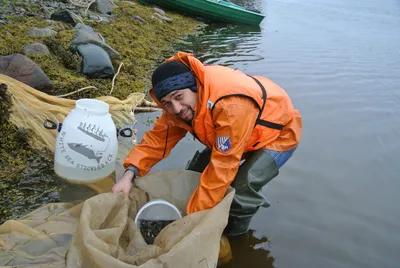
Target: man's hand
point(125, 183)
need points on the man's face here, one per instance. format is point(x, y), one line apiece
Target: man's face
point(181, 103)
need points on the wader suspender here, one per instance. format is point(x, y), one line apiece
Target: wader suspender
point(259, 121)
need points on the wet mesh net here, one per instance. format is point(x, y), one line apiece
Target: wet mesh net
point(30, 108)
point(100, 232)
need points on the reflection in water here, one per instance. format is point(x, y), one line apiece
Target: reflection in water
point(27, 189)
point(225, 44)
point(249, 4)
point(249, 251)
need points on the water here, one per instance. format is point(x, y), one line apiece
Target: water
point(336, 202)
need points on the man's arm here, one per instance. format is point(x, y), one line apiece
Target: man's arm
point(156, 144)
point(234, 120)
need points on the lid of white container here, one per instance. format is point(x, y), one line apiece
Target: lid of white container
point(92, 106)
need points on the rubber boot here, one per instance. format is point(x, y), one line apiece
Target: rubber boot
point(237, 226)
point(225, 251)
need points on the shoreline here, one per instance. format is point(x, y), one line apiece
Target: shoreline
point(25, 182)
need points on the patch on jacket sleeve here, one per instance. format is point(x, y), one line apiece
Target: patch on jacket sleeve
point(223, 143)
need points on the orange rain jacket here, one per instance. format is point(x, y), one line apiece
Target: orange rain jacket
point(279, 127)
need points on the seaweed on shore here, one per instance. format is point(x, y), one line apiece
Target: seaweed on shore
point(141, 45)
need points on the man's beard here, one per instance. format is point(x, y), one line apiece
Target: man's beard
point(187, 108)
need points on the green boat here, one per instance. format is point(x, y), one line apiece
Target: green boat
point(221, 11)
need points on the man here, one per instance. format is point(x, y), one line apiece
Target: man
point(237, 116)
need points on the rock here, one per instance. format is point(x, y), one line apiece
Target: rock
point(100, 18)
point(3, 22)
point(102, 6)
point(96, 62)
point(64, 16)
point(81, 26)
point(94, 17)
point(157, 19)
point(138, 18)
point(25, 70)
point(164, 18)
point(40, 32)
point(159, 10)
point(53, 196)
point(35, 48)
point(52, 4)
point(83, 37)
point(51, 21)
point(104, 19)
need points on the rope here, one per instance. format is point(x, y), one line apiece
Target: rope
point(113, 80)
point(76, 91)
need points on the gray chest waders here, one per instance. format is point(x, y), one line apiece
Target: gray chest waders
point(255, 172)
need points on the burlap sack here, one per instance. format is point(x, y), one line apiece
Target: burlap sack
point(100, 232)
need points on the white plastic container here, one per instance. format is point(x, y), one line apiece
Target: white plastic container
point(86, 145)
point(157, 209)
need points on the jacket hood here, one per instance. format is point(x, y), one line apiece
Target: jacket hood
point(196, 67)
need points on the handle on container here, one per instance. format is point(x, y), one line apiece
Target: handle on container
point(48, 124)
point(125, 132)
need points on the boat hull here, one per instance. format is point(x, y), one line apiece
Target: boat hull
point(212, 10)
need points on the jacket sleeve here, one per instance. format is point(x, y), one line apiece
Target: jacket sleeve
point(234, 120)
point(156, 144)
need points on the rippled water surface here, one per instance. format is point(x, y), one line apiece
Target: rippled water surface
point(336, 203)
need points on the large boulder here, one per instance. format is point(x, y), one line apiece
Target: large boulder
point(96, 62)
point(84, 36)
point(64, 16)
point(102, 6)
point(25, 70)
